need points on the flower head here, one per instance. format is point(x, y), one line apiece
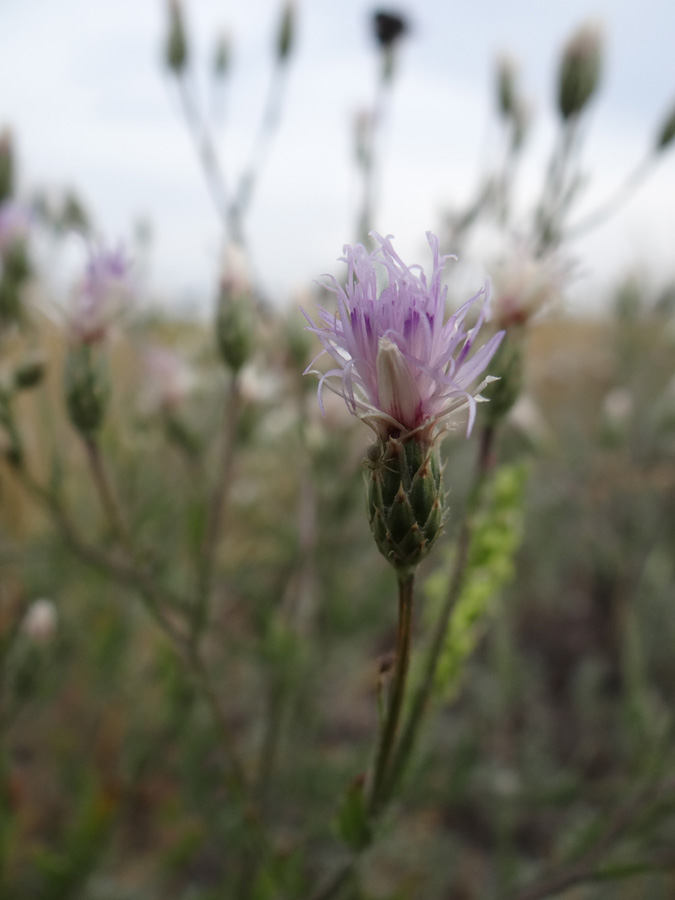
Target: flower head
point(525, 284)
point(105, 289)
point(400, 367)
point(167, 379)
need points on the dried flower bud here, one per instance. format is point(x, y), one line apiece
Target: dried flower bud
point(667, 131)
point(579, 73)
point(176, 48)
point(40, 620)
point(286, 32)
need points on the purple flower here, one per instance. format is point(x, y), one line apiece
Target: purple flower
point(399, 366)
point(101, 296)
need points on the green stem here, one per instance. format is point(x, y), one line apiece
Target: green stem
point(424, 690)
point(216, 511)
point(389, 730)
point(106, 493)
point(615, 202)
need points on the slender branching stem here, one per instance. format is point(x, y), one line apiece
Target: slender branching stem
point(268, 126)
point(339, 880)
point(389, 729)
point(131, 574)
point(206, 151)
point(106, 493)
point(615, 201)
point(217, 509)
point(589, 867)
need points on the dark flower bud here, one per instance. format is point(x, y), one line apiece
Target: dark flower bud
point(579, 73)
point(389, 27)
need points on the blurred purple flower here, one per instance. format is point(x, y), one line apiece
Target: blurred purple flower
point(102, 295)
point(401, 367)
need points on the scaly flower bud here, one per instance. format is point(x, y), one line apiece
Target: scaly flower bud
point(579, 73)
point(405, 499)
point(235, 325)
point(86, 388)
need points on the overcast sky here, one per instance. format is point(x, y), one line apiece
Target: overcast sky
point(91, 107)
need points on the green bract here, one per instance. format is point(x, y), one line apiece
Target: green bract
point(405, 499)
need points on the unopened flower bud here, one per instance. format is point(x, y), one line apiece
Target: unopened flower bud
point(176, 48)
point(389, 28)
point(298, 342)
point(86, 388)
point(286, 32)
point(30, 372)
point(405, 500)
point(235, 325)
point(506, 85)
point(6, 165)
point(579, 73)
point(507, 365)
point(667, 131)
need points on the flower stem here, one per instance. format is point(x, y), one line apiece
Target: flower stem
point(389, 730)
point(423, 693)
point(217, 509)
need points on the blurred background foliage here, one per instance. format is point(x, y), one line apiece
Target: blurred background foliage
point(549, 761)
